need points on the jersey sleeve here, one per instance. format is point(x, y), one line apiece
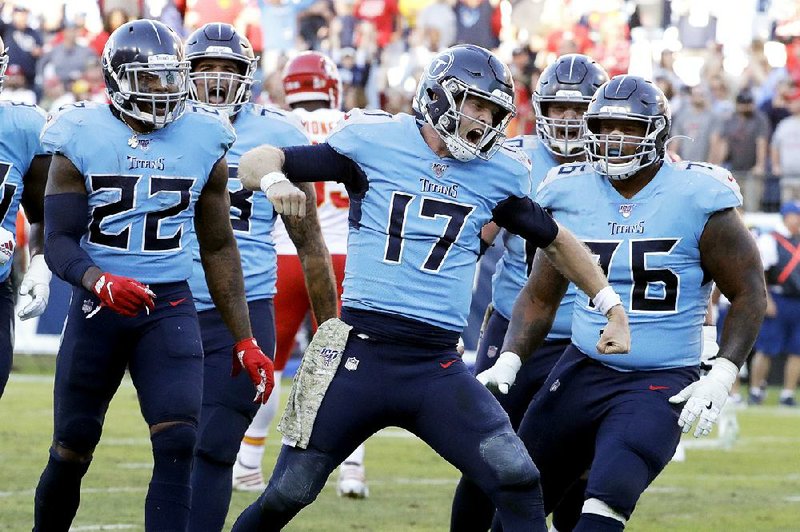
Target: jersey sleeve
point(31, 121)
point(717, 189)
point(350, 133)
point(60, 131)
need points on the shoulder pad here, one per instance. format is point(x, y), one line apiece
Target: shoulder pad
point(566, 170)
point(516, 154)
point(717, 172)
point(361, 116)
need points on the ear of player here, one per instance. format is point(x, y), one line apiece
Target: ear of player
point(123, 295)
point(248, 356)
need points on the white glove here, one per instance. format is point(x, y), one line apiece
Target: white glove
point(7, 243)
point(710, 347)
point(706, 397)
point(36, 284)
point(284, 196)
point(502, 375)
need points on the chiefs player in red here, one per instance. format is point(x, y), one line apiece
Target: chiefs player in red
point(313, 90)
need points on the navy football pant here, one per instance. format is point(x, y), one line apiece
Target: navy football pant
point(228, 409)
point(164, 355)
point(432, 394)
point(619, 425)
point(6, 331)
point(472, 509)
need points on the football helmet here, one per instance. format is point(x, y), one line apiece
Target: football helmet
point(451, 77)
point(572, 78)
point(3, 62)
point(312, 76)
point(145, 73)
point(627, 98)
point(224, 90)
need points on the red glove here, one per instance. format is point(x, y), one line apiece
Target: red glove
point(247, 355)
point(123, 295)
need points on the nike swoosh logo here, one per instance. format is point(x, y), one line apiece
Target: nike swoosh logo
point(654, 388)
point(178, 302)
point(447, 364)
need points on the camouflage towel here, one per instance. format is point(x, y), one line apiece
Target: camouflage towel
point(316, 371)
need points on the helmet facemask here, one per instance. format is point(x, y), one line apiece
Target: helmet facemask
point(153, 93)
point(561, 136)
point(225, 90)
point(607, 153)
point(483, 140)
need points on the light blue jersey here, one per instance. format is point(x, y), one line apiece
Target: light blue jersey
point(649, 246)
point(414, 236)
point(21, 124)
point(514, 266)
point(252, 215)
point(142, 188)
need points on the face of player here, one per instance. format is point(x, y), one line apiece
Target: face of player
point(216, 80)
point(153, 88)
point(566, 113)
point(477, 115)
point(620, 138)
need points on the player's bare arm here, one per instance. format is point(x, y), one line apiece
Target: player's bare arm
point(306, 235)
point(535, 307)
point(730, 255)
point(257, 163)
point(33, 200)
point(219, 253)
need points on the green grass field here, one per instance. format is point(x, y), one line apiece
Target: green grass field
point(755, 486)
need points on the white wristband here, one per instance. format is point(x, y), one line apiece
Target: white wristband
point(270, 179)
point(605, 299)
point(510, 359)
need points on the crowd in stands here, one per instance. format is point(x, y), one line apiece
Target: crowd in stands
point(749, 122)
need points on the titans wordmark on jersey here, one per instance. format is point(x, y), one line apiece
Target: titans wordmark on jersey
point(649, 248)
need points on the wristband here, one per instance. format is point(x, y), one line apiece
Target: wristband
point(725, 372)
point(605, 299)
point(270, 179)
point(510, 359)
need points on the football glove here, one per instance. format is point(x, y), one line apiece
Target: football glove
point(36, 284)
point(710, 347)
point(705, 398)
point(123, 295)
point(7, 243)
point(502, 375)
point(247, 355)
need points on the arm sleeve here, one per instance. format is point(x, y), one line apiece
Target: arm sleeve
point(526, 218)
point(320, 162)
point(65, 224)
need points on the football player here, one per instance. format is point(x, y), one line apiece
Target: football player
point(313, 90)
point(560, 98)
point(420, 190)
point(23, 174)
point(661, 231)
point(139, 170)
point(222, 66)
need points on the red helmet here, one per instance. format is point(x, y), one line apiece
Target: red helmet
point(312, 76)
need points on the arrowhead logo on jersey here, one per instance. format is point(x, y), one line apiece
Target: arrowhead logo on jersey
point(351, 364)
point(625, 209)
point(328, 355)
point(438, 169)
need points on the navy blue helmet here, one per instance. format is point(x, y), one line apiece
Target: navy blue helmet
point(453, 75)
point(226, 90)
point(146, 75)
point(572, 78)
point(627, 98)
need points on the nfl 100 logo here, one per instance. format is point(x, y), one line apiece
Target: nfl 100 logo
point(626, 209)
point(328, 355)
point(438, 169)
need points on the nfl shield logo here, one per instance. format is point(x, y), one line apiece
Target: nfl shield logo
point(625, 209)
point(438, 169)
point(492, 351)
point(351, 364)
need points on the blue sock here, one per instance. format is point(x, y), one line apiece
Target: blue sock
point(166, 507)
point(211, 494)
point(598, 523)
point(58, 494)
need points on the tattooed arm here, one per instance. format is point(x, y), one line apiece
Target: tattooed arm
point(314, 257)
point(219, 253)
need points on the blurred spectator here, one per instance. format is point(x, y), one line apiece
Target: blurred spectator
point(24, 44)
point(279, 29)
point(199, 12)
point(384, 16)
point(15, 87)
point(777, 107)
point(67, 60)
point(437, 24)
point(111, 21)
point(343, 26)
point(720, 95)
point(478, 22)
point(134, 8)
point(781, 330)
point(786, 151)
point(314, 23)
point(741, 146)
point(354, 72)
point(696, 121)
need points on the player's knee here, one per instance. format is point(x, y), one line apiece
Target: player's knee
point(78, 437)
point(220, 438)
point(68, 455)
point(299, 481)
point(509, 460)
point(175, 440)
